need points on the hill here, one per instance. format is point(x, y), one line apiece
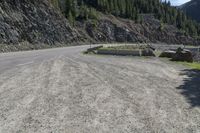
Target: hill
point(192, 9)
point(33, 24)
point(28, 24)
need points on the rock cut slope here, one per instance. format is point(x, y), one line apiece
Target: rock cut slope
point(115, 29)
point(34, 21)
point(41, 25)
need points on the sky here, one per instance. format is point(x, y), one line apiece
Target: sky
point(178, 2)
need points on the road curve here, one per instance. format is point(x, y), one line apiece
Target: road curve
point(62, 90)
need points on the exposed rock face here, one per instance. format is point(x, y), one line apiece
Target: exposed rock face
point(112, 29)
point(109, 31)
point(37, 22)
point(34, 21)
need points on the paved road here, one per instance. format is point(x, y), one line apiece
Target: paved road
point(61, 90)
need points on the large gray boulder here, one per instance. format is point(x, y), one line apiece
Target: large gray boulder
point(148, 52)
point(168, 54)
point(183, 55)
point(197, 56)
point(119, 52)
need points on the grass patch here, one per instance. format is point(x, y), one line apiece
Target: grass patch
point(157, 53)
point(194, 65)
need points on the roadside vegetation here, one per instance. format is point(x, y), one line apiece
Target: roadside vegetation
point(194, 65)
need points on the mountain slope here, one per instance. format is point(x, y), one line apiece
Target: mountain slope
point(131, 9)
point(27, 24)
point(34, 22)
point(192, 9)
point(114, 29)
point(146, 21)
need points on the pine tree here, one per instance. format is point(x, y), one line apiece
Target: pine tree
point(71, 18)
point(55, 3)
point(131, 9)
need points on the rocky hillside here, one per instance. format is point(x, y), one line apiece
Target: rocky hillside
point(35, 22)
point(28, 24)
point(114, 29)
point(192, 8)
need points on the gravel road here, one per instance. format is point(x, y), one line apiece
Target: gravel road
point(61, 90)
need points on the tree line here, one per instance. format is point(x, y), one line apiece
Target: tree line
point(76, 10)
point(131, 9)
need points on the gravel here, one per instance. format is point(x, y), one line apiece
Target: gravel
point(62, 90)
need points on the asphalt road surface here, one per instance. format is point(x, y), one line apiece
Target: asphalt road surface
point(64, 91)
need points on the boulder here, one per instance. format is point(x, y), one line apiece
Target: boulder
point(183, 55)
point(148, 52)
point(196, 56)
point(168, 54)
point(119, 52)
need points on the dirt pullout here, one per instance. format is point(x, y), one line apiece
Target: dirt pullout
point(84, 93)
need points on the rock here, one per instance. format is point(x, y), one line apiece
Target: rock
point(197, 56)
point(148, 52)
point(183, 55)
point(34, 21)
point(94, 48)
point(38, 22)
point(151, 47)
point(168, 54)
point(119, 52)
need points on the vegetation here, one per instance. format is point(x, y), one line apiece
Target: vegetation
point(163, 11)
point(87, 9)
point(194, 65)
point(76, 10)
point(55, 3)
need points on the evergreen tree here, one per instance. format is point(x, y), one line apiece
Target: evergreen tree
point(71, 18)
point(84, 9)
